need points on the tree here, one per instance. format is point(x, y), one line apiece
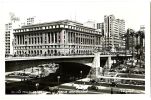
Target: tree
point(132, 34)
point(142, 37)
point(137, 47)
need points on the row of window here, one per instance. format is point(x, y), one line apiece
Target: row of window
point(51, 52)
point(58, 26)
point(54, 46)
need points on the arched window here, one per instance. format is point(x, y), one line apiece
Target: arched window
point(51, 51)
point(40, 51)
point(37, 52)
point(48, 51)
point(31, 52)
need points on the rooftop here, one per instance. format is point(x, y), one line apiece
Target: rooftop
point(64, 22)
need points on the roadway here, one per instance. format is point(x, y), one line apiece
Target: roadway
point(54, 57)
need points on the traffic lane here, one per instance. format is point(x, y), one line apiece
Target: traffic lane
point(126, 86)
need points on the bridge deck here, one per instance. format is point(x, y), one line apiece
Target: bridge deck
point(55, 57)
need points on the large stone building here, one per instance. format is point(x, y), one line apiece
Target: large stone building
point(63, 37)
point(114, 29)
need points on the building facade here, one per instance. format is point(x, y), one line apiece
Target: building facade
point(114, 29)
point(63, 37)
point(9, 36)
point(100, 26)
point(8, 28)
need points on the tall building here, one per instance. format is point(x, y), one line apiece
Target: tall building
point(63, 37)
point(9, 36)
point(113, 31)
point(121, 32)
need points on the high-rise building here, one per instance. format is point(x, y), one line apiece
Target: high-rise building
point(9, 36)
point(114, 29)
point(63, 37)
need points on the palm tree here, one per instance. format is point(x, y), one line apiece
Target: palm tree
point(137, 46)
point(142, 37)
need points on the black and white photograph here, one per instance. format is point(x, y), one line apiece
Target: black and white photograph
point(62, 47)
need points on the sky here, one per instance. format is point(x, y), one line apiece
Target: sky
point(132, 11)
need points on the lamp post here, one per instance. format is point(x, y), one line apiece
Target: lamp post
point(58, 77)
point(24, 74)
point(81, 74)
point(37, 85)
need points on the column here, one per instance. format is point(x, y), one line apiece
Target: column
point(22, 39)
point(57, 37)
point(47, 38)
point(96, 63)
point(43, 38)
point(108, 62)
point(53, 37)
point(27, 38)
point(39, 38)
point(50, 37)
point(71, 37)
point(74, 38)
point(62, 37)
point(68, 37)
point(19, 39)
point(16, 39)
point(33, 40)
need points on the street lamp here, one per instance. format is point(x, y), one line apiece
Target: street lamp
point(58, 77)
point(37, 85)
point(81, 74)
point(24, 74)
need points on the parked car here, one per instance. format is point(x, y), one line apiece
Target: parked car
point(81, 87)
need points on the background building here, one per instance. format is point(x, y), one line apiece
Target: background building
point(56, 38)
point(31, 20)
point(100, 26)
point(114, 29)
point(12, 24)
point(91, 24)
